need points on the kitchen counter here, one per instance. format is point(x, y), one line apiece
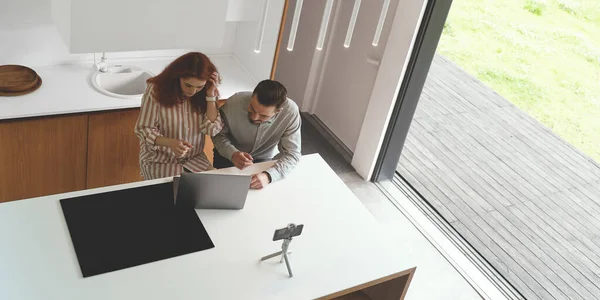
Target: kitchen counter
point(76, 137)
point(342, 248)
point(66, 89)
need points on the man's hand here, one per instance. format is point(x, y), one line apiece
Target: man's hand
point(241, 160)
point(180, 148)
point(259, 181)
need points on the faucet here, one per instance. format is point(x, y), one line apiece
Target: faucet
point(103, 65)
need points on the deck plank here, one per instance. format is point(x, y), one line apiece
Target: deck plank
point(523, 197)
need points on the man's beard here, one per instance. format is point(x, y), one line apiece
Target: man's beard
point(253, 122)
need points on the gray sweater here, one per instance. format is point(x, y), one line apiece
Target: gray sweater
point(281, 132)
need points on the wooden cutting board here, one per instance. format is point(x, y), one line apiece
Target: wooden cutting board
point(18, 80)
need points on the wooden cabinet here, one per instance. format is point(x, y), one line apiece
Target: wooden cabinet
point(51, 155)
point(113, 148)
point(42, 156)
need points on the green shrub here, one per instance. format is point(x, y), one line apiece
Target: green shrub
point(535, 7)
point(569, 7)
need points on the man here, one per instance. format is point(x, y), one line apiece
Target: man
point(256, 125)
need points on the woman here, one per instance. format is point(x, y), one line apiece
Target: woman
point(178, 109)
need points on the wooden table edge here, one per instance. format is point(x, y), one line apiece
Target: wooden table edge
point(408, 272)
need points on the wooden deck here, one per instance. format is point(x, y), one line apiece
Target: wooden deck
point(523, 197)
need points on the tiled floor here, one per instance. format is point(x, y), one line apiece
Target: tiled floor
point(435, 277)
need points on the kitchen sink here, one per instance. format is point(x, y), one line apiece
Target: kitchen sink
point(121, 81)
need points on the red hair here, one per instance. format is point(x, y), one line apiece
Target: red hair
point(167, 88)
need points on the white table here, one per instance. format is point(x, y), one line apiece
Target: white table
point(341, 249)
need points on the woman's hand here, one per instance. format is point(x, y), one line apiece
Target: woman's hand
point(180, 148)
point(212, 90)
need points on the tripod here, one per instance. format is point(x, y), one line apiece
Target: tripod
point(284, 255)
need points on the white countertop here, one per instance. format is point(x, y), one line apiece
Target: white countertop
point(342, 246)
point(66, 89)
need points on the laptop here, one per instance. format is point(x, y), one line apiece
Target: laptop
point(211, 191)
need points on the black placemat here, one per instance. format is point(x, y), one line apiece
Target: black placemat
point(126, 228)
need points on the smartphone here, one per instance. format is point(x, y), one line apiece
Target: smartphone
point(288, 232)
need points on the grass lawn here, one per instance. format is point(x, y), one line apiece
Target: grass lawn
point(543, 56)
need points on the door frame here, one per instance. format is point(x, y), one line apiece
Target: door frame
point(426, 42)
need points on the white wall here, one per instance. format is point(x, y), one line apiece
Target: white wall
point(61, 18)
point(23, 13)
point(259, 64)
point(243, 10)
point(29, 37)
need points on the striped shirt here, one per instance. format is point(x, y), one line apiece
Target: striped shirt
point(181, 122)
